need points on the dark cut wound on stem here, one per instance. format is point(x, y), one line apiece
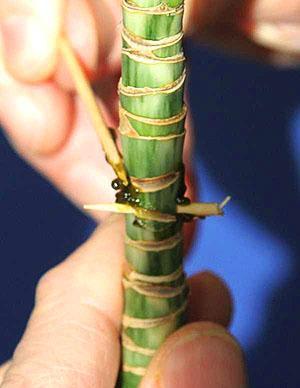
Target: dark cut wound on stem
point(152, 116)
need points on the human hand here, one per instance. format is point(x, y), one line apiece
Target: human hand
point(42, 131)
point(72, 338)
point(43, 118)
point(262, 29)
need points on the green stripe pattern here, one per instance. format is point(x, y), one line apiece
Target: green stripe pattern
point(152, 116)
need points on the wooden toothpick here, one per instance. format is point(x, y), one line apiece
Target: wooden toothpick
point(86, 93)
point(225, 202)
point(139, 212)
point(199, 210)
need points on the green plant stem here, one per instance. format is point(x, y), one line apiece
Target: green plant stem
point(152, 116)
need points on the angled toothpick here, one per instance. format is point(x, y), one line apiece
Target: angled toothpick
point(86, 93)
point(225, 202)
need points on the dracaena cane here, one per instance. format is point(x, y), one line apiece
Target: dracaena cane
point(150, 184)
point(152, 116)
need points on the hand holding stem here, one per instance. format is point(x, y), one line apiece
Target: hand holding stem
point(72, 338)
point(47, 123)
point(49, 127)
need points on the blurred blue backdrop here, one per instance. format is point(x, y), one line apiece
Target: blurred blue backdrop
point(247, 121)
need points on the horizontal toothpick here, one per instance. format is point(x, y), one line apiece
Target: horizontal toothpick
point(199, 210)
point(85, 91)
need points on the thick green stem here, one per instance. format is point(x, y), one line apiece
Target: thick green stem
point(152, 118)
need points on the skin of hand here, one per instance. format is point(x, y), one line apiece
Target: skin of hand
point(45, 121)
point(43, 118)
point(72, 337)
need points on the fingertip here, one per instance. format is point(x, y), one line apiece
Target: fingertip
point(29, 33)
point(26, 53)
point(211, 299)
point(198, 355)
point(58, 111)
point(37, 118)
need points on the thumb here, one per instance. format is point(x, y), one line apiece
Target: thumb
point(201, 355)
point(72, 337)
point(29, 30)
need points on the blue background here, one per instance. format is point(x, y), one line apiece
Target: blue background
point(247, 120)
